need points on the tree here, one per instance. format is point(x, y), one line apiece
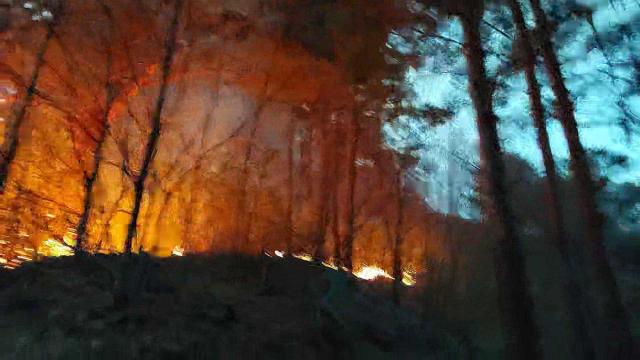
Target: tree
point(91, 177)
point(326, 179)
point(354, 137)
point(616, 340)
point(291, 141)
point(581, 343)
point(335, 189)
point(12, 136)
point(245, 214)
point(403, 162)
point(154, 135)
point(521, 333)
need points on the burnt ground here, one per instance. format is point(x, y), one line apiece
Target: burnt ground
point(222, 307)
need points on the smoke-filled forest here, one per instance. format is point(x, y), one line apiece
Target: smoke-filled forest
point(320, 179)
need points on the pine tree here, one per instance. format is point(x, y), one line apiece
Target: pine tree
point(581, 342)
point(615, 333)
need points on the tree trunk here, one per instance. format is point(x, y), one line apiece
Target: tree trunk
point(616, 337)
point(398, 235)
point(325, 178)
point(335, 199)
point(516, 306)
point(12, 135)
point(291, 132)
point(154, 135)
point(581, 343)
point(245, 214)
point(89, 181)
point(347, 243)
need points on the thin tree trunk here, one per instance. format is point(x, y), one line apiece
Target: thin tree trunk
point(397, 243)
point(521, 333)
point(616, 338)
point(582, 346)
point(195, 187)
point(452, 241)
point(452, 208)
point(321, 233)
point(89, 181)
point(347, 243)
point(154, 135)
point(291, 131)
point(335, 198)
point(12, 136)
point(245, 214)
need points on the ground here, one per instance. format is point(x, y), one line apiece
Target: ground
point(203, 307)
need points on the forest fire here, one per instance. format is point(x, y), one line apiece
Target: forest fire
point(260, 189)
point(48, 248)
point(56, 248)
point(297, 155)
point(366, 272)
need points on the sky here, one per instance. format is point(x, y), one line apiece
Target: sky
point(441, 81)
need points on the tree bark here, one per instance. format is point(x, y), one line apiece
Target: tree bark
point(154, 135)
point(12, 136)
point(581, 343)
point(615, 338)
point(516, 306)
point(398, 235)
point(291, 132)
point(326, 152)
point(347, 242)
point(245, 214)
point(89, 181)
point(335, 198)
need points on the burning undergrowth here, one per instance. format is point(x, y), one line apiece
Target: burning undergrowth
point(202, 307)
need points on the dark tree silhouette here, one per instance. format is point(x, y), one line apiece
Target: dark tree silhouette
point(327, 157)
point(91, 177)
point(615, 334)
point(354, 139)
point(581, 343)
point(403, 162)
point(154, 135)
point(12, 134)
point(335, 189)
point(245, 215)
point(521, 333)
point(291, 138)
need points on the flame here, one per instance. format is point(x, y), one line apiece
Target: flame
point(408, 278)
point(177, 251)
point(55, 248)
point(51, 247)
point(368, 273)
point(64, 247)
point(330, 264)
point(303, 256)
point(371, 273)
